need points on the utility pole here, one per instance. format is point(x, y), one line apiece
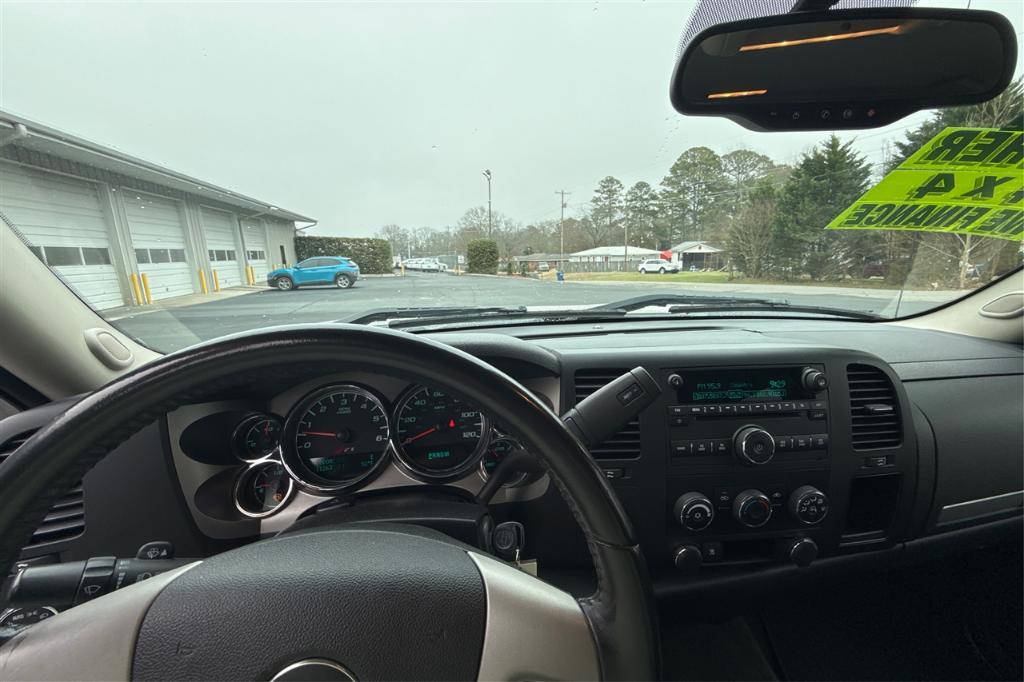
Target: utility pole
point(561, 231)
point(490, 225)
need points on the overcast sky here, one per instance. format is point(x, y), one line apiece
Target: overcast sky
point(366, 114)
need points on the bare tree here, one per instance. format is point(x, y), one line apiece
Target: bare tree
point(751, 236)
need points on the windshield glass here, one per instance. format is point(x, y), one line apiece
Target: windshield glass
point(192, 170)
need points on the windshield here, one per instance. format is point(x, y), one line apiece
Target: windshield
point(192, 170)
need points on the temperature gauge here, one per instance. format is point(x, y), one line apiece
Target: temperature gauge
point(495, 454)
point(256, 437)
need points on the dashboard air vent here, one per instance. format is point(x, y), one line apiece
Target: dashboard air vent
point(874, 409)
point(66, 519)
point(626, 443)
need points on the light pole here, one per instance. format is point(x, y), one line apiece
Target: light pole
point(561, 230)
point(487, 174)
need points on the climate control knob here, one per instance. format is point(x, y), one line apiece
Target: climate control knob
point(813, 380)
point(752, 508)
point(808, 505)
point(694, 511)
point(753, 445)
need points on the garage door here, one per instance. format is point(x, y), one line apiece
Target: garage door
point(67, 226)
point(158, 237)
point(220, 229)
point(255, 236)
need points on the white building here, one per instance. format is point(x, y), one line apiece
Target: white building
point(612, 254)
point(97, 216)
point(698, 254)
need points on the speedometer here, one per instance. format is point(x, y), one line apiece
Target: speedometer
point(336, 437)
point(439, 435)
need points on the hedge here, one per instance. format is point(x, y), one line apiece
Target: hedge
point(372, 255)
point(482, 256)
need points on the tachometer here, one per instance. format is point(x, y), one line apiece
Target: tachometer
point(336, 437)
point(439, 435)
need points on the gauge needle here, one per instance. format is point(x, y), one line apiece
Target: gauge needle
point(419, 435)
point(318, 433)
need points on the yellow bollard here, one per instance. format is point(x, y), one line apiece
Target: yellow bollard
point(202, 282)
point(134, 279)
point(403, 269)
point(216, 284)
point(252, 275)
point(145, 288)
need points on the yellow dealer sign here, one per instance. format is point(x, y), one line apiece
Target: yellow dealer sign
point(964, 181)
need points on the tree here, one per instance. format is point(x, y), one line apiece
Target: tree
point(690, 190)
point(592, 232)
point(826, 180)
point(751, 234)
point(606, 205)
point(398, 237)
point(641, 215)
point(482, 256)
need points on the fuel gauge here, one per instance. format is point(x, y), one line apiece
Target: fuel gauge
point(262, 488)
point(257, 436)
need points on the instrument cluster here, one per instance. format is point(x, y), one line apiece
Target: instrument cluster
point(340, 436)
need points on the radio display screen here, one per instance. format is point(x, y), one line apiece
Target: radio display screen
point(740, 385)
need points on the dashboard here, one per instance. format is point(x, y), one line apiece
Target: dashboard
point(776, 450)
point(271, 459)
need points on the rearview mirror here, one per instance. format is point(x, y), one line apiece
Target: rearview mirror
point(858, 68)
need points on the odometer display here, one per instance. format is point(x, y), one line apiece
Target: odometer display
point(438, 434)
point(340, 435)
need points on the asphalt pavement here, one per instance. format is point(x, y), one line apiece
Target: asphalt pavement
point(170, 328)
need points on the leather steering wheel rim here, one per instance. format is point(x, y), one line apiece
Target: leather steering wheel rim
point(620, 611)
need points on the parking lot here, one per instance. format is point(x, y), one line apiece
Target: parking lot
point(175, 327)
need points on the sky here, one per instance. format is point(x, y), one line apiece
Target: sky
point(365, 114)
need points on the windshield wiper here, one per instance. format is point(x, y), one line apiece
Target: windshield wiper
point(484, 317)
point(694, 303)
point(665, 300)
point(384, 314)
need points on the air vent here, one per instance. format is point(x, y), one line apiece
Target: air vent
point(626, 443)
point(874, 409)
point(66, 519)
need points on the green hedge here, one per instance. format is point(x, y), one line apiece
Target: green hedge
point(482, 256)
point(372, 255)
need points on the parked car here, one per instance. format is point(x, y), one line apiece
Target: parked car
point(543, 266)
point(425, 265)
point(658, 265)
point(340, 271)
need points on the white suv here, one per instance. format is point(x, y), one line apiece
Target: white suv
point(658, 265)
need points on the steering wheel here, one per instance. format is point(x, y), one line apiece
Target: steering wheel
point(353, 601)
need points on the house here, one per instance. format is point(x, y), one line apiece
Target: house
point(697, 254)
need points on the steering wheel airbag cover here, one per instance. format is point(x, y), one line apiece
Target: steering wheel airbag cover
point(349, 595)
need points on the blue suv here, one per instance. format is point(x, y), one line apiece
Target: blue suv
point(337, 270)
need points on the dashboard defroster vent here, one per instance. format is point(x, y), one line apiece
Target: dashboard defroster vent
point(626, 443)
point(874, 409)
point(66, 519)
